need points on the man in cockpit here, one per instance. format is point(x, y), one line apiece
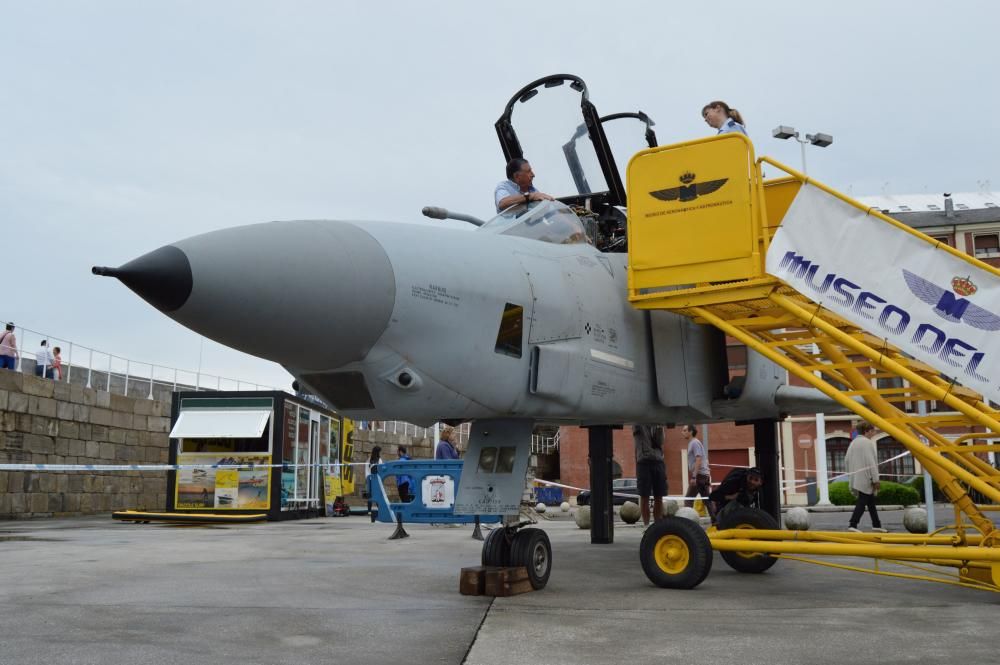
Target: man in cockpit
point(517, 188)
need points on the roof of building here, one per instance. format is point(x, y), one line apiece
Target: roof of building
point(928, 210)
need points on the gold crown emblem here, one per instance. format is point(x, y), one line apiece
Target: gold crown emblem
point(687, 177)
point(963, 286)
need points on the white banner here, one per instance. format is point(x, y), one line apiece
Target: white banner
point(932, 305)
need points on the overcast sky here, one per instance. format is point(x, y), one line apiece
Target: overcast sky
point(127, 125)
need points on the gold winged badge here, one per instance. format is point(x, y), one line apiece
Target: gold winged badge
point(689, 190)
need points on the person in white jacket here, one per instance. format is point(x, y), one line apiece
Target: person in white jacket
point(862, 466)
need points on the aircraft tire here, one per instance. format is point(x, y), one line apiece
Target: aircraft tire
point(748, 518)
point(531, 548)
point(496, 548)
point(675, 553)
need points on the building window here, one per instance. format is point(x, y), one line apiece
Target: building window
point(836, 450)
point(986, 244)
point(944, 240)
point(897, 470)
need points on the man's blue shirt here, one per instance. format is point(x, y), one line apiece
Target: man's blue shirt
point(508, 188)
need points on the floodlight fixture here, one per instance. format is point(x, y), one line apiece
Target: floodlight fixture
point(784, 132)
point(819, 140)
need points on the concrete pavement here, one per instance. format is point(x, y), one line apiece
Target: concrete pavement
point(88, 590)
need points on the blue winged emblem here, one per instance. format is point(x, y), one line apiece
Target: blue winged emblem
point(948, 307)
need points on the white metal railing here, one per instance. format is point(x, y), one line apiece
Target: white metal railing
point(414, 431)
point(544, 445)
point(540, 445)
point(106, 371)
point(101, 370)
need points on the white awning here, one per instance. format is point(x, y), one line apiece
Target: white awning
point(220, 424)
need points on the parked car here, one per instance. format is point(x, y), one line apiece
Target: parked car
point(619, 487)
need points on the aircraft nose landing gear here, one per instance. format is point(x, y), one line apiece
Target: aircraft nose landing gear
point(517, 546)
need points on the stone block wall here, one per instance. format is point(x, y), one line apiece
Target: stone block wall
point(365, 440)
point(49, 422)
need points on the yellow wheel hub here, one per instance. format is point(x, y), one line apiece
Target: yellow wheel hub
point(747, 555)
point(672, 554)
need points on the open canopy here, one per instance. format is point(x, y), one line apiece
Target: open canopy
point(557, 129)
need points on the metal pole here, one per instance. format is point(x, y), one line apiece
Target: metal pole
point(822, 480)
point(90, 366)
point(928, 481)
point(151, 372)
point(128, 368)
point(802, 144)
point(175, 379)
point(69, 362)
point(19, 363)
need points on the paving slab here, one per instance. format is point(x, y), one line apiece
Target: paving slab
point(89, 590)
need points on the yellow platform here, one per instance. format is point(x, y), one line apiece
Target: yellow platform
point(186, 518)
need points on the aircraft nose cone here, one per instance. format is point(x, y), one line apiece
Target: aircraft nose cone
point(162, 278)
point(309, 294)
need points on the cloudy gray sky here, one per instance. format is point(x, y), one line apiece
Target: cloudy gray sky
point(128, 125)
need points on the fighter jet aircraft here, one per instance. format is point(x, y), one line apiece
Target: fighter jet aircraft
point(527, 321)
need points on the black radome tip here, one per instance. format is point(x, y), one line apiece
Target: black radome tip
point(162, 278)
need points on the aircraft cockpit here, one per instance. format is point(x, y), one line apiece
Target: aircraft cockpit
point(546, 221)
point(584, 166)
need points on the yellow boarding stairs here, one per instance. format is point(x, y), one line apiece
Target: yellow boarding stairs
point(901, 321)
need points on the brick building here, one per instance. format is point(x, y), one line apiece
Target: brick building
point(969, 222)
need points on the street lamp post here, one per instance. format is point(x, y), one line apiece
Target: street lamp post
point(820, 140)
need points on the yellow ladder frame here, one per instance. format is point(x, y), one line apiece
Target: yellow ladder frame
point(782, 325)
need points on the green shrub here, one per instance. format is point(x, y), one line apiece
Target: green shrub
point(896, 494)
point(918, 484)
point(890, 493)
point(840, 494)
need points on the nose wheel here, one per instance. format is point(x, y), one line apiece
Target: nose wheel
point(516, 546)
point(496, 547)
